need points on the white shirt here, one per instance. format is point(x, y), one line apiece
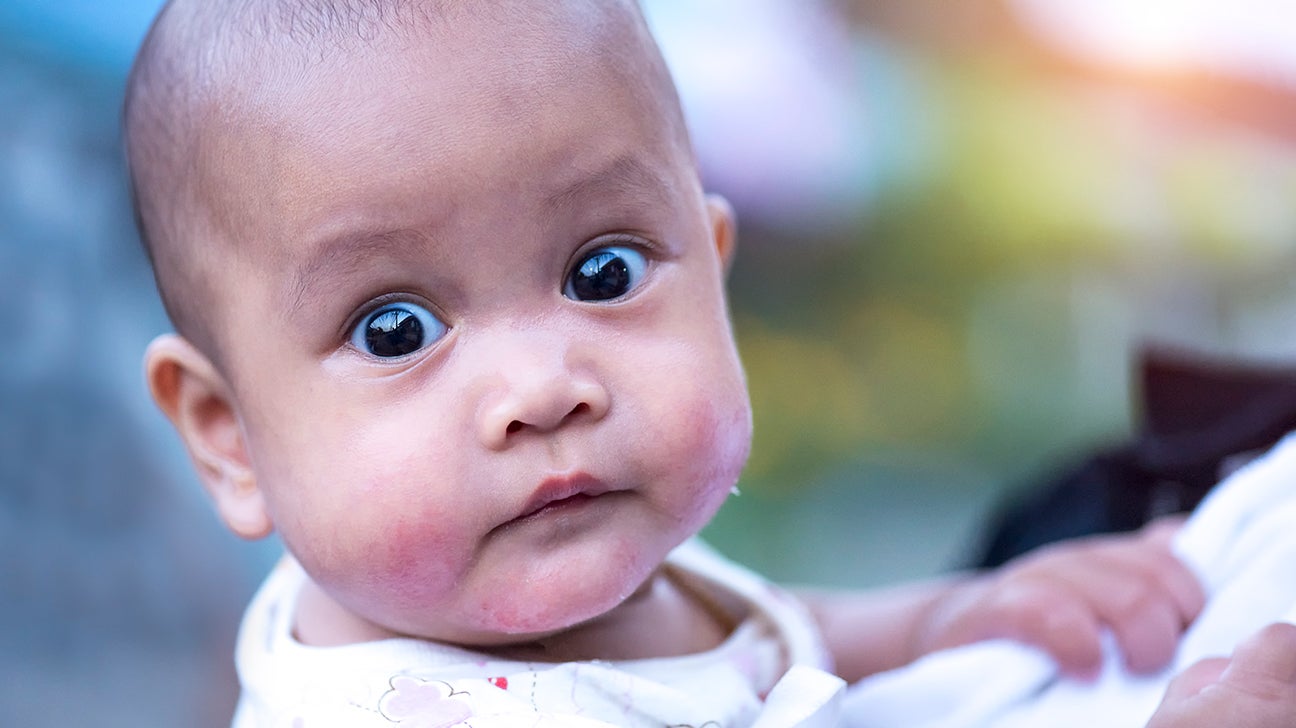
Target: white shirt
point(771, 671)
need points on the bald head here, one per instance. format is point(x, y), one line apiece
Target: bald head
point(208, 77)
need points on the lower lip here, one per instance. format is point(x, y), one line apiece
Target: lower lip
point(566, 505)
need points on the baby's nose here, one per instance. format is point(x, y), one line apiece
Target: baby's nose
point(540, 393)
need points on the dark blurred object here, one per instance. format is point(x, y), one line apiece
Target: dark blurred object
point(1201, 418)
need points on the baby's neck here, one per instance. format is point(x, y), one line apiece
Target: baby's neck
point(662, 619)
point(319, 621)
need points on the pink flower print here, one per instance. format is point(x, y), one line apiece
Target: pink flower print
point(414, 703)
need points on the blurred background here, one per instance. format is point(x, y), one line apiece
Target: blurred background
point(959, 224)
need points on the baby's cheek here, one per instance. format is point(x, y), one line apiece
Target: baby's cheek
point(408, 519)
point(417, 559)
point(712, 437)
point(719, 437)
point(393, 566)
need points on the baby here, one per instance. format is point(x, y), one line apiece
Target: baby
point(451, 321)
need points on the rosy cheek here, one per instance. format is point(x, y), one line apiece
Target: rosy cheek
point(715, 438)
point(722, 428)
point(415, 561)
point(391, 562)
point(732, 440)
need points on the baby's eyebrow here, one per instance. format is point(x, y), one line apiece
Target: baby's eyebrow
point(622, 176)
point(335, 258)
point(343, 255)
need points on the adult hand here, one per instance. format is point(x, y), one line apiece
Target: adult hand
point(1256, 688)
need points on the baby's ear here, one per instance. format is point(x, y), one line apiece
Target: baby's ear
point(191, 392)
point(724, 228)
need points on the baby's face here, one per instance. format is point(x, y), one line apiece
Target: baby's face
point(474, 326)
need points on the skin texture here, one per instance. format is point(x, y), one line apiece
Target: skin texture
point(461, 164)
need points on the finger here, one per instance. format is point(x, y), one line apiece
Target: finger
point(1051, 618)
point(1119, 582)
point(1268, 656)
point(1192, 680)
point(1147, 563)
point(1148, 635)
point(1074, 640)
point(1143, 616)
point(1180, 582)
point(1163, 530)
point(1148, 556)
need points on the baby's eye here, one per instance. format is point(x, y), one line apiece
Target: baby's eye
point(605, 273)
point(397, 329)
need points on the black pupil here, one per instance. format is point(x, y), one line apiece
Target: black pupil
point(394, 333)
point(601, 277)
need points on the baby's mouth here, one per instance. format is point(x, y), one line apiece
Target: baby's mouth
point(560, 494)
point(554, 507)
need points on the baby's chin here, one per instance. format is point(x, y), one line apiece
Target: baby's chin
point(513, 606)
point(573, 631)
point(555, 605)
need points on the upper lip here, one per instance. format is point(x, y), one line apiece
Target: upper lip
point(561, 487)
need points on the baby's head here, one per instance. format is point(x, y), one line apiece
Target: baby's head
point(451, 299)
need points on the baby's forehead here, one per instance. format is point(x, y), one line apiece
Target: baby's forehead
point(273, 54)
point(215, 79)
point(298, 73)
point(270, 30)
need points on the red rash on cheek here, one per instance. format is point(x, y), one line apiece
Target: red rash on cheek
point(415, 563)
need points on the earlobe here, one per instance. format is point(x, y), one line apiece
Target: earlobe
point(724, 228)
point(191, 392)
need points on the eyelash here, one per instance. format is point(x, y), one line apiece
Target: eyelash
point(650, 250)
point(618, 240)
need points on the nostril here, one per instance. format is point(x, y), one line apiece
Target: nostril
point(542, 424)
